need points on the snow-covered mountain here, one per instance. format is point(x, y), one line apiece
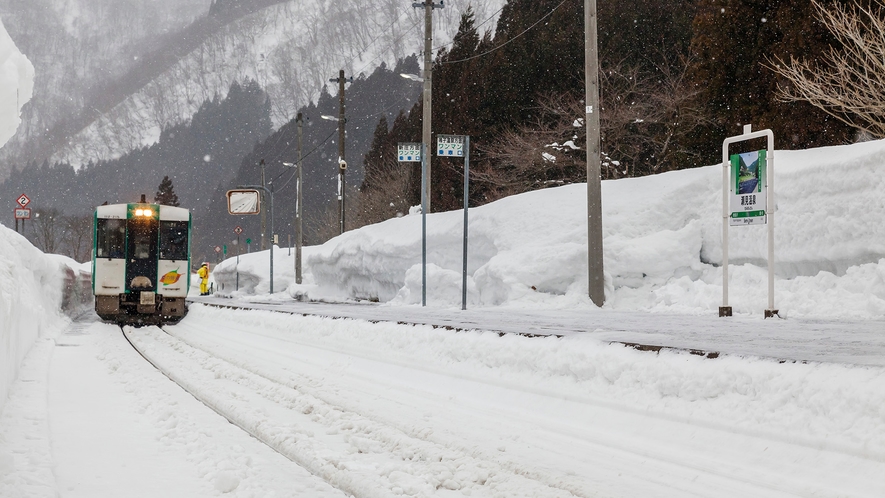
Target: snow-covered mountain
point(291, 48)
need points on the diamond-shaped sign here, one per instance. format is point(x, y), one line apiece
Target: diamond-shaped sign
point(23, 200)
point(238, 230)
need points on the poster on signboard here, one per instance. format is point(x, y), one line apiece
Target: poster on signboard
point(748, 195)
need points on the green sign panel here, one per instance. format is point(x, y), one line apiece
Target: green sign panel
point(748, 188)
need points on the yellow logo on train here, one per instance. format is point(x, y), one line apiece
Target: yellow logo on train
point(170, 277)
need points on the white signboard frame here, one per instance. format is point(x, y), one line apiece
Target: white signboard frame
point(450, 145)
point(728, 188)
point(408, 152)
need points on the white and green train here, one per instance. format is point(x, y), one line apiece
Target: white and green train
point(141, 262)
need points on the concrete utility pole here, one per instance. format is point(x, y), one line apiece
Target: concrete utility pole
point(342, 162)
point(596, 279)
point(298, 232)
point(428, 6)
point(263, 213)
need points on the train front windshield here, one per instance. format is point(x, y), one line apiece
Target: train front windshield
point(173, 240)
point(110, 238)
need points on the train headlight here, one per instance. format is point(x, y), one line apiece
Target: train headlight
point(144, 212)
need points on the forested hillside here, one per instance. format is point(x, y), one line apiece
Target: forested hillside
point(676, 78)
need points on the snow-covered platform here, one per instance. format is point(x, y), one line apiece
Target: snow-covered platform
point(860, 342)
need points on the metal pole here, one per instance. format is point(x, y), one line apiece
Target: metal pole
point(769, 177)
point(424, 204)
point(238, 262)
point(271, 238)
point(466, 199)
point(270, 192)
point(724, 310)
point(596, 278)
point(298, 237)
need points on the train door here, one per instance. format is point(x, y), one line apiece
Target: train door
point(141, 255)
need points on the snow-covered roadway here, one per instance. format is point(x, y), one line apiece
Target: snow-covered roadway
point(381, 409)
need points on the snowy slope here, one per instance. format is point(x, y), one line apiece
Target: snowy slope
point(16, 84)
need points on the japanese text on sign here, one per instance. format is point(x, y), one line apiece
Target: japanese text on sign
point(450, 145)
point(748, 188)
point(408, 152)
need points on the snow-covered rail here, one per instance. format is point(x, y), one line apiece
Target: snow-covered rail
point(384, 409)
point(310, 429)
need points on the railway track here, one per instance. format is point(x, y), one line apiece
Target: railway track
point(346, 415)
point(424, 464)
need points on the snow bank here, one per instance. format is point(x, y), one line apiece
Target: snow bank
point(662, 238)
point(31, 286)
point(837, 407)
point(16, 84)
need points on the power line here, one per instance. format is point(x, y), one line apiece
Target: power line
point(303, 157)
point(510, 40)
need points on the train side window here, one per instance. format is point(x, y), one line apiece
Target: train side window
point(173, 240)
point(110, 238)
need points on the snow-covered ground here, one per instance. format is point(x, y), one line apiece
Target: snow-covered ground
point(365, 406)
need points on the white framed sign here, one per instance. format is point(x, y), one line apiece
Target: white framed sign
point(450, 145)
point(408, 152)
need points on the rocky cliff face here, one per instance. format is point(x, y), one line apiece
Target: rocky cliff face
point(128, 72)
point(77, 45)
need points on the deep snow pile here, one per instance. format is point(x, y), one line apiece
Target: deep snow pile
point(662, 239)
point(26, 307)
point(30, 302)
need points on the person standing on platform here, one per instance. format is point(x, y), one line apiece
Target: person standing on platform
point(203, 273)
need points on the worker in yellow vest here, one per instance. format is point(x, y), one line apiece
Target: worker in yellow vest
point(203, 273)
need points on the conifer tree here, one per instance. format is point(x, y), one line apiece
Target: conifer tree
point(732, 43)
point(166, 193)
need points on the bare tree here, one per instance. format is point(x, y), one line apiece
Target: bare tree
point(848, 82)
point(76, 237)
point(645, 123)
point(389, 195)
point(47, 224)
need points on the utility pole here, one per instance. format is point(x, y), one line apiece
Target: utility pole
point(596, 280)
point(428, 6)
point(298, 232)
point(342, 162)
point(263, 213)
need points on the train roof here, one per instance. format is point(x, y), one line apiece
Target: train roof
point(121, 211)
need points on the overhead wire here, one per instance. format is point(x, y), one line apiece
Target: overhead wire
point(508, 41)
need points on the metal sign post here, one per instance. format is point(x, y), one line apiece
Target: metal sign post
point(245, 200)
point(425, 200)
point(748, 199)
point(459, 146)
point(23, 213)
point(411, 152)
point(238, 230)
